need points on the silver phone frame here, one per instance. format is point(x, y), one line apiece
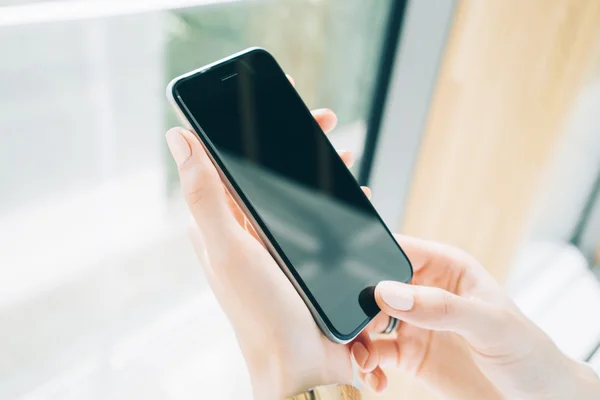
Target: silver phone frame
point(266, 242)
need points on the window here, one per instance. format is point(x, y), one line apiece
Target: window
point(100, 294)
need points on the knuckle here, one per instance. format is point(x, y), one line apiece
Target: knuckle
point(201, 183)
point(443, 305)
point(504, 321)
point(500, 322)
point(196, 195)
point(446, 308)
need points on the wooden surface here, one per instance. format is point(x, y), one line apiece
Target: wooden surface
point(509, 76)
point(511, 71)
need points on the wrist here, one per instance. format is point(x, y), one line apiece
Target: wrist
point(587, 382)
point(577, 380)
point(277, 375)
point(456, 380)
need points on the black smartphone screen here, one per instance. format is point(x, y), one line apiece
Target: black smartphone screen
point(299, 191)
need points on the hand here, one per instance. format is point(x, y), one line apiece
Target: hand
point(284, 350)
point(463, 337)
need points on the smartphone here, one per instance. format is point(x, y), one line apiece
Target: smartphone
point(295, 190)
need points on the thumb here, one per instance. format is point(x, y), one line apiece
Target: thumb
point(439, 310)
point(202, 187)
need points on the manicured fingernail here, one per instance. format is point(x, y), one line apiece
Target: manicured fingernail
point(397, 295)
point(360, 354)
point(372, 381)
point(348, 157)
point(179, 147)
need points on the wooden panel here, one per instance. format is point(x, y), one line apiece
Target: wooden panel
point(511, 71)
point(509, 75)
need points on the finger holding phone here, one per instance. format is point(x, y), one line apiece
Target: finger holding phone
point(296, 192)
point(285, 351)
point(274, 283)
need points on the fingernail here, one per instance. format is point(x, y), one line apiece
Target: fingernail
point(372, 381)
point(179, 147)
point(360, 354)
point(396, 295)
point(348, 156)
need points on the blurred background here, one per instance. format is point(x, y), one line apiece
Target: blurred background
point(475, 123)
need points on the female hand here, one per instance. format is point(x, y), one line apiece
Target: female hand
point(463, 337)
point(284, 350)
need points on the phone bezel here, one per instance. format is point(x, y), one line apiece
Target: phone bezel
point(188, 120)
